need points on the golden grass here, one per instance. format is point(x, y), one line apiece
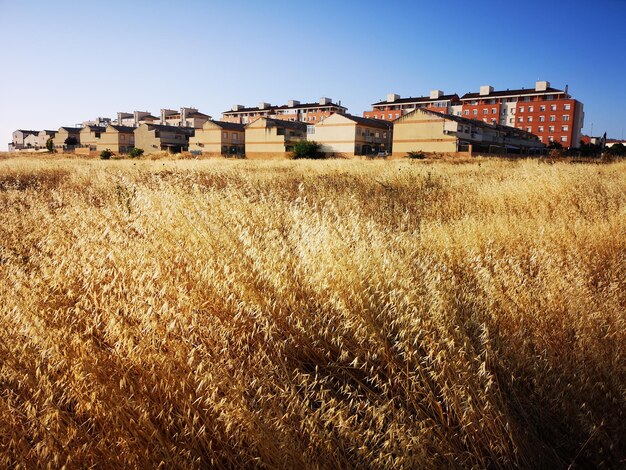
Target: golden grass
point(311, 314)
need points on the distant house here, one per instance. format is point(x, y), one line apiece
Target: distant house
point(292, 111)
point(432, 132)
point(186, 117)
point(63, 135)
point(219, 138)
point(273, 138)
point(344, 135)
point(152, 138)
point(43, 136)
point(21, 139)
point(90, 137)
point(135, 118)
point(118, 139)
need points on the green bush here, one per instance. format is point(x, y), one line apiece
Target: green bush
point(106, 154)
point(135, 152)
point(416, 155)
point(50, 145)
point(307, 149)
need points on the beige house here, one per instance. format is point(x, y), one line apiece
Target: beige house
point(153, 138)
point(219, 138)
point(20, 139)
point(432, 132)
point(118, 139)
point(344, 135)
point(43, 136)
point(186, 117)
point(135, 118)
point(63, 135)
point(90, 137)
point(273, 138)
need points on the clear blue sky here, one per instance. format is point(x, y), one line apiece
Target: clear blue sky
point(68, 61)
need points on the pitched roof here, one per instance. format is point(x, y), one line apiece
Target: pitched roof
point(229, 126)
point(27, 132)
point(285, 106)
point(71, 130)
point(49, 132)
point(176, 129)
point(297, 125)
point(369, 122)
point(118, 128)
point(418, 99)
point(93, 128)
point(523, 91)
point(197, 114)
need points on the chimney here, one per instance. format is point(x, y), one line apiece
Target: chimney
point(237, 107)
point(391, 97)
point(324, 100)
point(263, 105)
point(486, 90)
point(542, 86)
point(292, 103)
point(434, 94)
point(138, 116)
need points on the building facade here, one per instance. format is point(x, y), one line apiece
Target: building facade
point(424, 130)
point(118, 139)
point(344, 135)
point(292, 111)
point(20, 139)
point(273, 138)
point(154, 138)
point(67, 138)
point(395, 107)
point(219, 138)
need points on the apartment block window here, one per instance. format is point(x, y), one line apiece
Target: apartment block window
point(553, 107)
point(529, 129)
point(564, 128)
point(566, 117)
point(234, 136)
point(511, 120)
point(485, 111)
point(552, 118)
point(494, 111)
point(520, 119)
point(531, 109)
point(567, 107)
point(390, 116)
point(466, 112)
point(542, 118)
point(358, 131)
point(551, 139)
point(542, 108)
point(526, 98)
point(513, 111)
point(475, 112)
point(540, 129)
point(564, 139)
point(493, 120)
point(225, 135)
point(551, 128)
point(521, 109)
point(530, 119)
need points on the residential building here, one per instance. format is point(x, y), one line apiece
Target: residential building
point(394, 106)
point(186, 117)
point(153, 138)
point(433, 132)
point(90, 137)
point(21, 139)
point(344, 135)
point(43, 136)
point(67, 134)
point(549, 113)
point(219, 138)
point(135, 119)
point(118, 139)
point(99, 121)
point(292, 111)
point(273, 138)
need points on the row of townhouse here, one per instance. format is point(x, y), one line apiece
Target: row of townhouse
point(549, 113)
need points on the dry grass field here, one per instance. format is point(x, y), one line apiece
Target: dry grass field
point(333, 314)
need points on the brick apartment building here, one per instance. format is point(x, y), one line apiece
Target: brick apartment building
point(292, 111)
point(549, 113)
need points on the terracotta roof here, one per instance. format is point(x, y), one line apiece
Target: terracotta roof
point(418, 99)
point(523, 91)
point(285, 106)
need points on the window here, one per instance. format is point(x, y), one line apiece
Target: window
point(566, 117)
point(520, 119)
point(551, 138)
point(564, 139)
point(466, 112)
point(511, 120)
point(529, 129)
point(530, 119)
point(542, 119)
point(377, 135)
point(542, 108)
point(384, 135)
point(493, 120)
point(552, 118)
point(540, 129)
point(567, 107)
point(225, 135)
point(521, 109)
point(475, 112)
point(551, 128)
point(494, 111)
point(513, 111)
point(310, 129)
point(485, 111)
point(531, 109)
point(234, 136)
point(526, 98)
point(390, 116)
point(358, 131)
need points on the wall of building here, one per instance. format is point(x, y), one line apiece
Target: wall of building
point(265, 142)
point(116, 141)
point(421, 132)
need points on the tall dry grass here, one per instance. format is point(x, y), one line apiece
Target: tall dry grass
point(312, 314)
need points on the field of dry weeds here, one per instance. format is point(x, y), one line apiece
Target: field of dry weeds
point(312, 314)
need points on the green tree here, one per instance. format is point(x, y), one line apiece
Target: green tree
point(50, 145)
point(106, 154)
point(71, 141)
point(135, 152)
point(308, 149)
